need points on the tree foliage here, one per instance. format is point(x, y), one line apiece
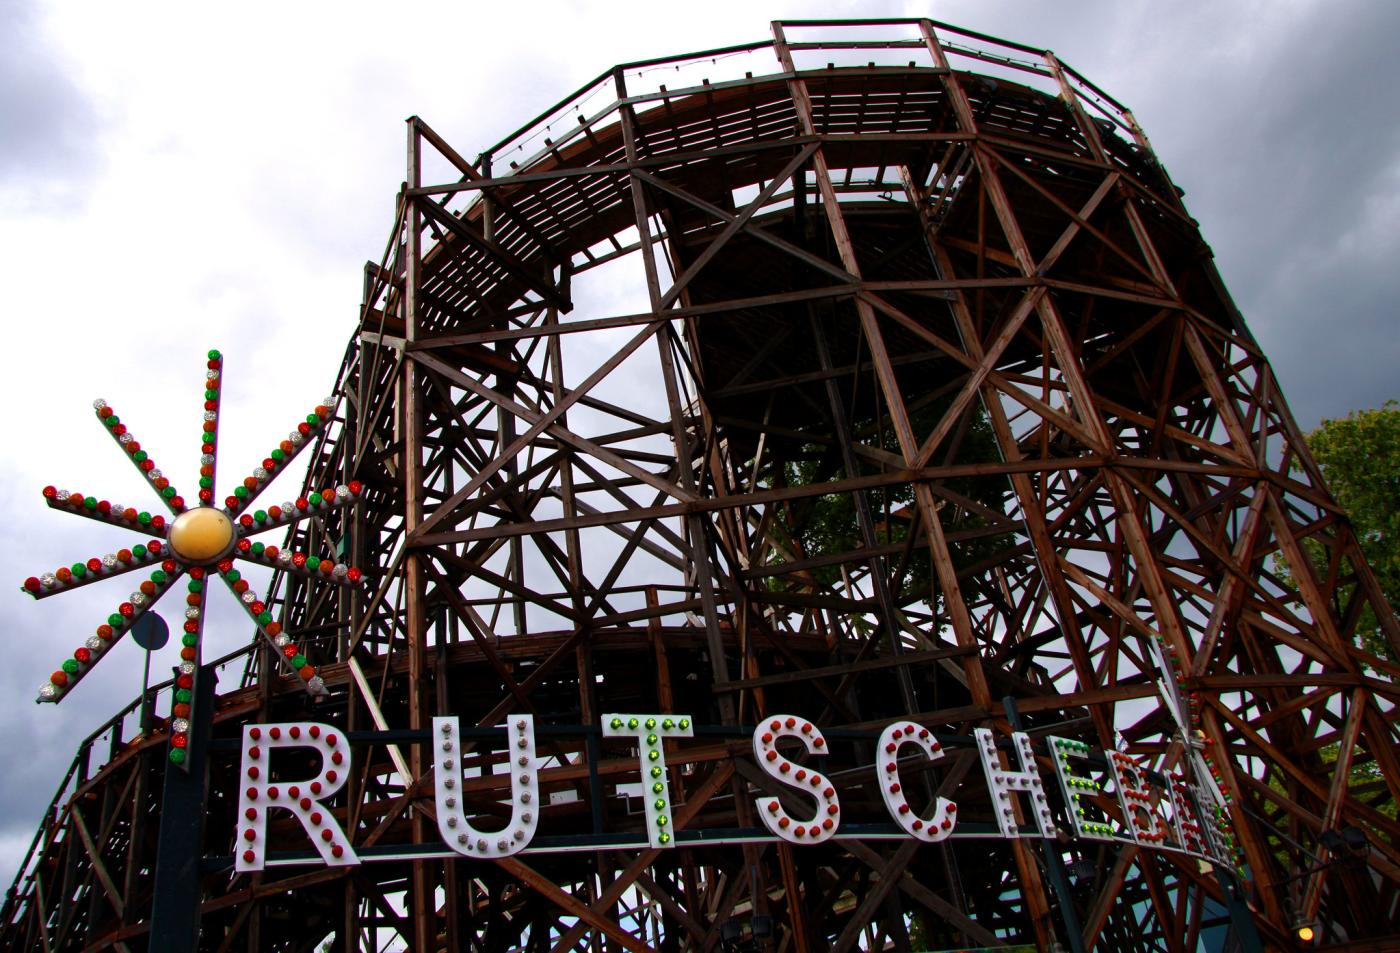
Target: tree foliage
point(827, 525)
point(1360, 458)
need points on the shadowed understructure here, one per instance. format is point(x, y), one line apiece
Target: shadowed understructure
point(923, 400)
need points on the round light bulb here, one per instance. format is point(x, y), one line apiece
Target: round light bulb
point(201, 535)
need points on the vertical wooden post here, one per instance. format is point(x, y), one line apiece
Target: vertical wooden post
point(423, 910)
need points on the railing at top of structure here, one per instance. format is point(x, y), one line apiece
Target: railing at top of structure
point(814, 44)
point(114, 732)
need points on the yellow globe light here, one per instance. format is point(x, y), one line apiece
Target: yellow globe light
point(201, 535)
point(1306, 933)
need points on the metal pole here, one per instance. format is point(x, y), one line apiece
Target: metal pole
point(1241, 917)
point(175, 904)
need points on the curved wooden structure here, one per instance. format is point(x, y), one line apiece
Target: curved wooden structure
point(894, 381)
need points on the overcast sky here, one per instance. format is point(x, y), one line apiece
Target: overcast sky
point(175, 177)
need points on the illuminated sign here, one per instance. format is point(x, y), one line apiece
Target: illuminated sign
point(803, 806)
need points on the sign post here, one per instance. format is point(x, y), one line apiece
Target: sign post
point(175, 905)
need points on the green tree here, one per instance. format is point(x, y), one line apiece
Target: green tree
point(1360, 458)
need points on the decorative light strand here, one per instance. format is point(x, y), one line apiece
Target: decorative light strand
point(139, 457)
point(93, 570)
point(287, 650)
point(114, 514)
point(310, 567)
point(290, 511)
point(209, 432)
point(184, 697)
point(118, 624)
point(297, 440)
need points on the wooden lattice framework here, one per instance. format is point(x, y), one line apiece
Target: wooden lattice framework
point(933, 405)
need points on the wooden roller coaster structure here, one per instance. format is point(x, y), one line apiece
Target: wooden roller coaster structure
point(875, 371)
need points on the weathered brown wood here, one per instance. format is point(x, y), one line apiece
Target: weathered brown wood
point(947, 404)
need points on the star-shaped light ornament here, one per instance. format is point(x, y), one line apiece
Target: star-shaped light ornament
point(199, 544)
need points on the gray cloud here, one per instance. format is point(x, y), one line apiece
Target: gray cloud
point(47, 123)
point(1289, 151)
